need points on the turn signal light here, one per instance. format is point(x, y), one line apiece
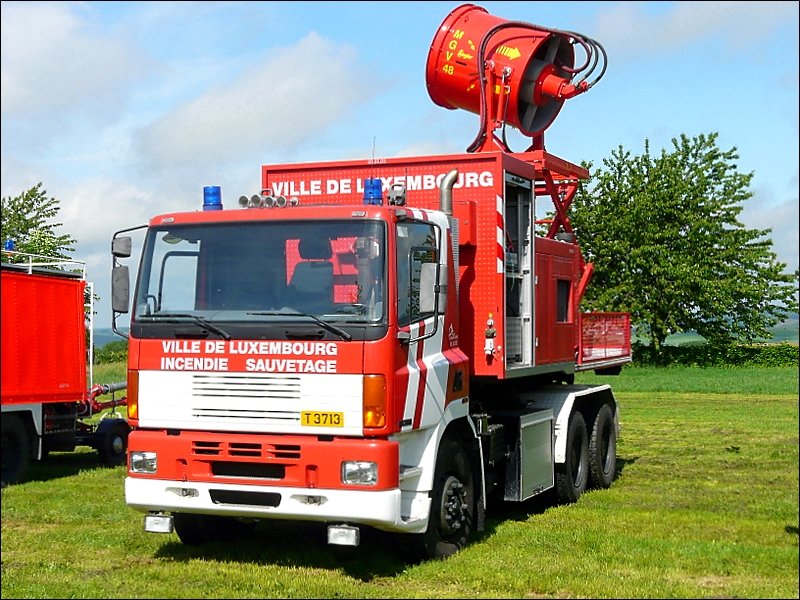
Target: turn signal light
point(133, 395)
point(374, 401)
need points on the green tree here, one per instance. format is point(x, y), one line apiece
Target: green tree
point(27, 219)
point(667, 246)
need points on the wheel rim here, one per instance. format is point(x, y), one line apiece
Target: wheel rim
point(118, 445)
point(453, 514)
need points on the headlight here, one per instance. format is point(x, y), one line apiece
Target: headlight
point(359, 472)
point(144, 462)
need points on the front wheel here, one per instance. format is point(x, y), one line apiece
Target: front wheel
point(452, 512)
point(572, 476)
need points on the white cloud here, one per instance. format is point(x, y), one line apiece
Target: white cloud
point(290, 98)
point(93, 209)
point(782, 217)
point(634, 25)
point(53, 60)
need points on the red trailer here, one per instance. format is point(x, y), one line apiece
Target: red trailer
point(45, 366)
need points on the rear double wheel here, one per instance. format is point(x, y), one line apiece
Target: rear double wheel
point(572, 476)
point(603, 449)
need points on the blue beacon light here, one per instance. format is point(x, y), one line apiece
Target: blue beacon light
point(373, 191)
point(212, 197)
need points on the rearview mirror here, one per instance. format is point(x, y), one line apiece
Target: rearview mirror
point(120, 288)
point(121, 246)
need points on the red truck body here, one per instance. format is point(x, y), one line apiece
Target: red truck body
point(45, 366)
point(43, 336)
point(563, 339)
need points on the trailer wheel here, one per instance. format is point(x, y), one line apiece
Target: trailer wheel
point(452, 505)
point(194, 530)
point(603, 449)
point(572, 476)
point(112, 441)
point(15, 449)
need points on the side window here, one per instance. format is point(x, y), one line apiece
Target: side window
point(177, 284)
point(416, 260)
point(562, 300)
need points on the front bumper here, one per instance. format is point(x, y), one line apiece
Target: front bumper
point(379, 508)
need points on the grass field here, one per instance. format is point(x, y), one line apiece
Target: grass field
point(705, 506)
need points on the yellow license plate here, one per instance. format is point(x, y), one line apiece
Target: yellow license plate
point(315, 418)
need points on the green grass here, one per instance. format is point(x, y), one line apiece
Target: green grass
point(109, 372)
point(705, 506)
point(715, 380)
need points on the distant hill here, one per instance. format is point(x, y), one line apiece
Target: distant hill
point(103, 336)
point(789, 331)
point(786, 332)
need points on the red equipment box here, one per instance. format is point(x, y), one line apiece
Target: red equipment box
point(43, 319)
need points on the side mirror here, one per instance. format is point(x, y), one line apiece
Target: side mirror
point(120, 288)
point(121, 247)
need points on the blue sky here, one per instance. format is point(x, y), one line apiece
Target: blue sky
point(126, 109)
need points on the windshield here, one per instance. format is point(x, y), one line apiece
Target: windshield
point(333, 270)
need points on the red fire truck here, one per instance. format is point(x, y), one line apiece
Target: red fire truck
point(380, 343)
point(46, 404)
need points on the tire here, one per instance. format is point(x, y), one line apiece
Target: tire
point(603, 449)
point(112, 442)
point(572, 476)
point(15, 449)
point(452, 513)
point(194, 530)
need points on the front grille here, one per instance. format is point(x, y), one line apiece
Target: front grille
point(278, 387)
point(244, 449)
point(245, 498)
point(246, 398)
point(224, 449)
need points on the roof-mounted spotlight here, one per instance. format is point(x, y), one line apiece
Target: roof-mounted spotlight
point(397, 194)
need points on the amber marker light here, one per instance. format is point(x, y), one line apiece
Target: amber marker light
point(374, 401)
point(133, 395)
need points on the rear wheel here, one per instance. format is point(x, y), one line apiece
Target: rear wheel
point(15, 449)
point(452, 512)
point(603, 449)
point(572, 476)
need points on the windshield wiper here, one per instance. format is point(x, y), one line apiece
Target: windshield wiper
point(199, 320)
point(329, 326)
